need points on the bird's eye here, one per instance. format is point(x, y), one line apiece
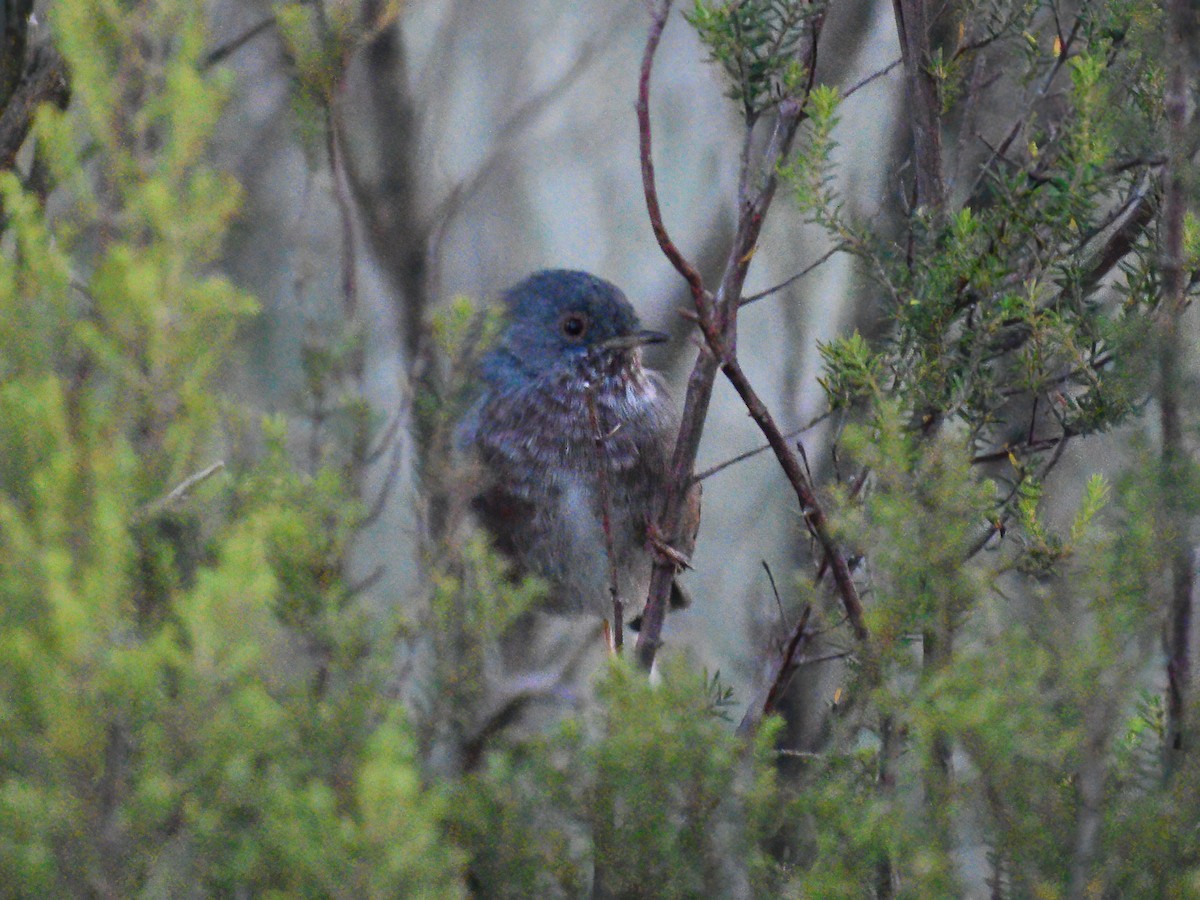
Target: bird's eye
point(573, 325)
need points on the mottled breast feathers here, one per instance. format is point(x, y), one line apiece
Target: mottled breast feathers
point(572, 343)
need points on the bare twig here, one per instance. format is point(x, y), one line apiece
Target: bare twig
point(824, 258)
point(775, 591)
point(1039, 93)
point(742, 457)
point(224, 51)
point(598, 443)
point(813, 513)
point(863, 82)
point(700, 384)
point(525, 115)
point(781, 673)
point(824, 658)
point(682, 266)
point(179, 493)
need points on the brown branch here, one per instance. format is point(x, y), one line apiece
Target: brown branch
point(700, 383)
point(598, 441)
point(46, 82)
point(717, 318)
point(742, 457)
point(1172, 388)
point(782, 669)
point(1119, 243)
point(682, 266)
point(810, 508)
point(824, 258)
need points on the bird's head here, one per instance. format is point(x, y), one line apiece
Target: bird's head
point(560, 320)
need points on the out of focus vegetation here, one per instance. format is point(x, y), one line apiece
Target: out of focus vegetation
point(196, 698)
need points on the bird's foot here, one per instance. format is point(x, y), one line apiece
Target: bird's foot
point(658, 545)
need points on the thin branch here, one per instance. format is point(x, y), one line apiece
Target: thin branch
point(746, 301)
point(649, 188)
point(384, 494)
point(717, 319)
point(179, 493)
point(1039, 93)
point(367, 582)
point(810, 507)
point(824, 658)
point(782, 669)
point(700, 383)
point(1033, 446)
point(742, 457)
point(598, 443)
point(224, 51)
point(872, 77)
point(1004, 511)
point(775, 591)
point(528, 112)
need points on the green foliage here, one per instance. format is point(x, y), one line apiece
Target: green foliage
point(757, 43)
point(1026, 689)
point(852, 371)
point(920, 517)
point(649, 795)
point(995, 294)
point(193, 696)
point(810, 174)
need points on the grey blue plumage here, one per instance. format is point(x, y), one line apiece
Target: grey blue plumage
point(567, 334)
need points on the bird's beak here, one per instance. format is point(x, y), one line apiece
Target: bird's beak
point(636, 339)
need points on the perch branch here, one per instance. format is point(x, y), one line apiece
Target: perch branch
point(598, 442)
point(717, 319)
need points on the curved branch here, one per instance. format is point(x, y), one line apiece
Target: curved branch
point(717, 318)
point(649, 187)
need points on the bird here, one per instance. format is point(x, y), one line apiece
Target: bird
point(563, 393)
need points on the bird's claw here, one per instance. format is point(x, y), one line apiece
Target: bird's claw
point(659, 545)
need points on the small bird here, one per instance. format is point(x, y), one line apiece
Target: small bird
point(571, 346)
